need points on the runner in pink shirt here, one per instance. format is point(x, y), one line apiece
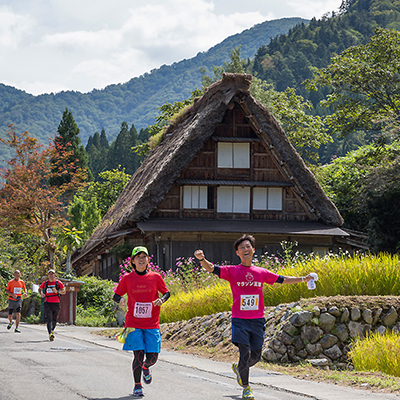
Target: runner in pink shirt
point(248, 322)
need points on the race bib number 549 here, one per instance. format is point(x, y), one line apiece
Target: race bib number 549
point(249, 302)
point(142, 310)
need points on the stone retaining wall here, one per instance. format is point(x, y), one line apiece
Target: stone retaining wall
point(319, 329)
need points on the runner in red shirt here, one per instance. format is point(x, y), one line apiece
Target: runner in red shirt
point(15, 289)
point(248, 322)
point(51, 290)
point(142, 318)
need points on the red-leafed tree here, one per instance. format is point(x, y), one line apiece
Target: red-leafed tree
point(28, 203)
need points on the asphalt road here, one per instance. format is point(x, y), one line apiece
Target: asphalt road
point(80, 365)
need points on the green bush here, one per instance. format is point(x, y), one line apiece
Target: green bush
point(3, 294)
point(93, 317)
point(5, 275)
point(95, 306)
point(96, 293)
point(32, 319)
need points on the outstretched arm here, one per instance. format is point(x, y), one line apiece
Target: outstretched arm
point(292, 279)
point(207, 265)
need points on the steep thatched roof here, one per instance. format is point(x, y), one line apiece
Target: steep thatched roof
point(183, 140)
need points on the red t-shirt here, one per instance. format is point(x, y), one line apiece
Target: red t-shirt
point(50, 296)
point(247, 289)
point(142, 290)
point(16, 287)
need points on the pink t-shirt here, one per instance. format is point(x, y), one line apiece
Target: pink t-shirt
point(247, 289)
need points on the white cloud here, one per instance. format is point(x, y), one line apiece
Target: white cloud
point(315, 8)
point(13, 28)
point(80, 45)
point(180, 23)
point(99, 41)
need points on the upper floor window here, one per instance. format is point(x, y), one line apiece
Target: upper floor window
point(267, 199)
point(195, 197)
point(233, 199)
point(233, 155)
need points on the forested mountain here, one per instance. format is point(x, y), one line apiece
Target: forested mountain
point(134, 102)
point(291, 58)
point(297, 48)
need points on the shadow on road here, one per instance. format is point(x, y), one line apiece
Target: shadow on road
point(31, 341)
point(114, 398)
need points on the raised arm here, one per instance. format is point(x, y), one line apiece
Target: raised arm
point(207, 265)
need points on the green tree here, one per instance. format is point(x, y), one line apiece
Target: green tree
point(144, 135)
point(69, 239)
point(18, 251)
point(29, 204)
point(381, 196)
point(91, 204)
point(236, 65)
point(121, 150)
point(67, 140)
point(305, 131)
point(97, 150)
point(364, 185)
point(84, 214)
point(364, 83)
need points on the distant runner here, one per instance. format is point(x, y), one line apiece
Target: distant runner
point(15, 289)
point(142, 322)
point(248, 322)
point(51, 290)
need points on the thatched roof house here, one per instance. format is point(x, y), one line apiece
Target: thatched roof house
point(225, 167)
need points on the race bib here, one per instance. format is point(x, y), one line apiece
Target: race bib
point(17, 290)
point(142, 310)
point(249, 302)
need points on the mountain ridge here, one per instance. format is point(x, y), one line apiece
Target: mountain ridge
point(135, 101)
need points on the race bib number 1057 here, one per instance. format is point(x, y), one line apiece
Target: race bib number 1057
point(249, 302)
point(142, 310)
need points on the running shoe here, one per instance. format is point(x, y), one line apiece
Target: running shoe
point(247, 393)
point(17, 330)
point(51, 336)
point(10, 325)
point(147, 377)
point(138, 391)
point(235, 369)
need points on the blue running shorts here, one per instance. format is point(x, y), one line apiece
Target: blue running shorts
point(148, 340)
point(249, 332)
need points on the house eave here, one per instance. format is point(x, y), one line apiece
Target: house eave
point(241, 226)
point(108, 242)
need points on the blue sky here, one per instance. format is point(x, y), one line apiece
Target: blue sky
point(53, 45)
